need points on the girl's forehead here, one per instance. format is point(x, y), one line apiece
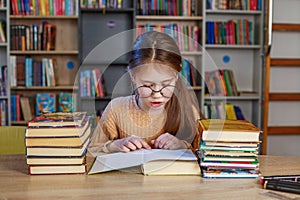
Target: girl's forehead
point(155, 71)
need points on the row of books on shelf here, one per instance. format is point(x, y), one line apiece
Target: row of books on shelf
point(56, 143)
point(2, 30)
point(3, 112)
point(92, 83)
point(222, 111)
point(3, 4)
point(221, 82)
point(240, 32)
point(186, 36)
point(3, 80)
point(168, 7)
point(44, 7)
point(22, 107)
point(27, 71)
point(190, 74)
point(229, 149)
point(233, 4)
point(33, 37)
point(102, 4)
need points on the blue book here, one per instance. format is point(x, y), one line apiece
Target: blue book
point(65, 102)
point(45, 102)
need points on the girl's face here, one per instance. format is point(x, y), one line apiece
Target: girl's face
point(155, 83)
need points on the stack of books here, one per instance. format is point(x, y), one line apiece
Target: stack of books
point(229, 149)
point(56, 143)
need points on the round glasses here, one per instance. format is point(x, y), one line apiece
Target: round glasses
point(146, 91)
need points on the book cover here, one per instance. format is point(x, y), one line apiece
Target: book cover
point(230, 173)
point(65, 102)
point(57, 119)
point(45, 102)
point(56, 169)
point(68, 160)
point(229, 130)
point(58, 141)
point(118, 161)
point(60, 131)
point(26, 108)
point(57, 152)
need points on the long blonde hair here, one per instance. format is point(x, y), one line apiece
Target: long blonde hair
point(181, 109)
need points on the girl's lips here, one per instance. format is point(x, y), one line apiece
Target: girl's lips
point(156, 104)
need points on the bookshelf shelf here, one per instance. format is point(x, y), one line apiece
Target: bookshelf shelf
point(191, 53)
point(4, 97)
point(215, 46)
point(108, 10)
point(234, 98)
point(168, 18)
point(28, 17)
point(35, 88)
point(233, 12)
point(56, 52)
point(19, 123)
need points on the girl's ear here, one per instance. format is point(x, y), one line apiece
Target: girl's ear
point(132, 77)
point(176, 76)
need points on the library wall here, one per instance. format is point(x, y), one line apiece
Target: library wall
point(283, 79)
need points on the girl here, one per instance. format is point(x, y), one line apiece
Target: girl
point(161, 114)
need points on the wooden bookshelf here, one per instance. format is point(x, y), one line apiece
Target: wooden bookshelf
point(65, 54)
point(4, 65)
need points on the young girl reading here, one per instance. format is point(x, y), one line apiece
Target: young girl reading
point(162, 113)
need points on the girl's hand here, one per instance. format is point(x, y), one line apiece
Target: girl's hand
point(168, 141)
point(127, 144)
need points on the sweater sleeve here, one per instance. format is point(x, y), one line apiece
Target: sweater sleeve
point(105, 131)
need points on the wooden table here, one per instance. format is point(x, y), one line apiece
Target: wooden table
point(15, 184)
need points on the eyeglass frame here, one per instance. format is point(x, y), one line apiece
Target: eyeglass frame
point(154, 91)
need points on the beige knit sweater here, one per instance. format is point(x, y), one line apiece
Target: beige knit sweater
point(123, 117)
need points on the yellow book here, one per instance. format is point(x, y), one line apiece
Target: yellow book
point(230, 113)
point(229, 130)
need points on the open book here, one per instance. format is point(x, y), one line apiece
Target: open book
point(152, 162)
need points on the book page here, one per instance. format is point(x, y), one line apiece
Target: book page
point(120, 160)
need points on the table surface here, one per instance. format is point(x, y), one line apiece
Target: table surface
point(15, 184)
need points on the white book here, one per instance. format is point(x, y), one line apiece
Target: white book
point(182, 161)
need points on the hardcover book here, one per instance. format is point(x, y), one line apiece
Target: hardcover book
point(229, 130)
point(57, 152)
point(56, 169)
point(65, 102)
point(58, 141)
point(57, 119)
point(45, 102)
point(60, 131)
point(68, 160)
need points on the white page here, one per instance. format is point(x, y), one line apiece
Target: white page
point(120, 160)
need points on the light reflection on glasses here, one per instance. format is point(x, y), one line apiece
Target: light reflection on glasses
point(146, 91)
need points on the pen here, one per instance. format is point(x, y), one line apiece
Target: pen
point(294, 178)
point(281, 185)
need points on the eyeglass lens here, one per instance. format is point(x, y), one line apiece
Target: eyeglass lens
point(145, 91)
